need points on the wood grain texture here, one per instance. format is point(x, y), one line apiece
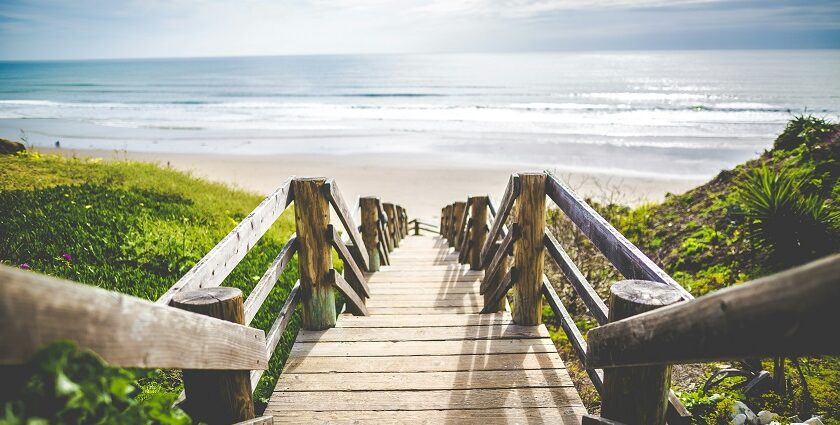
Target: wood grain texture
point(266, 283)
point(439, 333)
point(494, 301)
point(214, 267)
point(370, 231)
point(357, 278)
point(479, 213)
point(505, 207)
point(350, 295)
point(559, 397)
point(346, 217)
point(37, 309)
point(459, 220)
point(422, 348)
point(424, 381)
point(504, 250)
point(274, 334)
point(784, 314)
point(637, 395)
point(449, 363)
point(216, 396)
point(528, 251)
point(628, 259)
point(312, 216)
point(585, 291)
point(409, 321)
point(558, 416)
point(392, 223)
point(384, 225)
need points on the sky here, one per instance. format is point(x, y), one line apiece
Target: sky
point(98, 29)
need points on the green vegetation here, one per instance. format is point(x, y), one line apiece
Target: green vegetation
point(134, 228)
point(768, 214)
point(64, 385)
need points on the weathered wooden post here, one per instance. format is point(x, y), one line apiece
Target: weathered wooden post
point(637, 395)
point(442, 220)
point(216, 396)
point(460, 211)
point(383, 226)
point(494, 281)
point(478, 234)
point(400, 224)
point(444, 231)
point(312, 215)
point(528, 250)
point(392, 223)
point(370, 231)
point(416, 227)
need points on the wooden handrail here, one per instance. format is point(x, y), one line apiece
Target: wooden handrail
point(628, 259)
point(784, 314)
point(511, 193)
point(277, 329)
point(585, 291)
point(505, 249)
point(36, 309)
point(500, 291)
point(340, 207)
point(349, 263)
point(266, 283)
point(572, 332)
point(349, 293)
point(214, 267)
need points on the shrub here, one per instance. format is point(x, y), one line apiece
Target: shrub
point(795, 226)
point(803, 129)
point(65, 385)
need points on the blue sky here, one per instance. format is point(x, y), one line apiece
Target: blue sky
point(51, 29)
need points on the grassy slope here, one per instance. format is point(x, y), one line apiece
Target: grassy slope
point(703, 240)
point(133, 228)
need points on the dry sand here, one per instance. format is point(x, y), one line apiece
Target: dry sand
point(422, 183)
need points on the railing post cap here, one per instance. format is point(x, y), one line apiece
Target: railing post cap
point(205, 296)
point(646, 292)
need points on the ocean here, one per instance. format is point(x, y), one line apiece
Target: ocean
point(668, 114)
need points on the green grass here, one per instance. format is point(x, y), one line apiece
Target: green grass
point(134, 228)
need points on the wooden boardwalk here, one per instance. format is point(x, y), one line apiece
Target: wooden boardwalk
point(425, 355)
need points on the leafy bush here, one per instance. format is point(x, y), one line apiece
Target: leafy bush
point(797, 227)
point(68, 386)
point(803, 129)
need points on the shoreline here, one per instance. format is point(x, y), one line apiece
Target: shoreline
point(421, 182)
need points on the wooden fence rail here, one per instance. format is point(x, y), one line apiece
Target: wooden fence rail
point(628, 361)
point(130, 332)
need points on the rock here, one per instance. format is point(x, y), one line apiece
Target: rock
point(765, 417)
point(739, 419)
point(741, 409)
point(814, 421)
point(8, 147)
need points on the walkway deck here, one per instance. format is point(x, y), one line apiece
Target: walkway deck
point(425, 355)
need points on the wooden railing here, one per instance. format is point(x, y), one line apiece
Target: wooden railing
point(222, 361)
point(628, 357)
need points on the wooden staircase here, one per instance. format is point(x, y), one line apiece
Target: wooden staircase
point(425, 355)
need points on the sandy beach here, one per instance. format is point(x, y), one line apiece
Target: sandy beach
point(422, 183)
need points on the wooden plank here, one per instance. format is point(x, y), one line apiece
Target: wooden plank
point(425, 310)
point(428, 296)
point(349, 261)
point(628, 259)
point(262, 420)
point(504, 250)
point(424, 381)
point(784, 314)
point(214, 267)
point(545, 415)
point(395, 289)
point(421, 348)
point(511, 193)
point(440, 333)
point(347, 321)
point(37, 309)
point(451, 363)
point(266, 283)
point(277, 329)
point(500, 291)
point(585, 291)
point(346, 218)
point(572, 332)
point(424, 400)
point(350, 295)
point(446, 302)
